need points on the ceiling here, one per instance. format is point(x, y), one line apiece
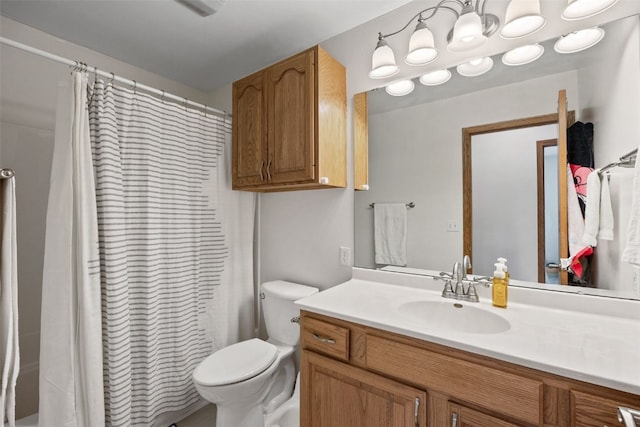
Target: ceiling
point(165, 37)
point(169, 39)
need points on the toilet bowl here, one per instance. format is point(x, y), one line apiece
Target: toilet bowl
point(287, 414)
point(251, 379)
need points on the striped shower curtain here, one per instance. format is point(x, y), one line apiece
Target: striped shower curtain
point(162, 248)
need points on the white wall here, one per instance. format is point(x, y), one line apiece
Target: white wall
point(613, 105)
point(505, 200)
point(431, 175)
point(27, 113)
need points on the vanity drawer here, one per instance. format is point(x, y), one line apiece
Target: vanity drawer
point(326, 338)
point(503, 392)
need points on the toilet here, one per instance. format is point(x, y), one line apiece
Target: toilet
point(249, 380)
point(287, 414)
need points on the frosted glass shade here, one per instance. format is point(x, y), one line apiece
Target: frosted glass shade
point(383, 62)
point(400, 88)
point(475, 67)
point(421, 46)
point(579, 40)
point(523, 55)
point(522, 18)
point(579, 9)
point(435, 78)
point(467, 33)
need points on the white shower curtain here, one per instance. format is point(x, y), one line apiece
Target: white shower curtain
point(9, 346)
point(71, 386)
point(165, 253)
point(232, 315)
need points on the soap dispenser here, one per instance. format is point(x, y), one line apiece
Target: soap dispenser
point(503, 261)
point(499, 288)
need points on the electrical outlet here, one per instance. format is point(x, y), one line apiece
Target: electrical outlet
point(453, 227)
point(345, 256)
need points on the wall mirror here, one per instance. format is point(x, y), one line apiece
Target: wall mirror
point(415, 155)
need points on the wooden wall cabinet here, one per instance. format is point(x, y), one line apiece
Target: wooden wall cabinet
point(289, 125)
point(353, 375)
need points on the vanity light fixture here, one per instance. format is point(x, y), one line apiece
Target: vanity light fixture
point(523, 54)
point(400, 88)
point(522, 19)
point(471, 29)
point(422, 48)
point(580, 9)
point(383, 62)
point(475, 67)
point(579, 40)
point(435, 78)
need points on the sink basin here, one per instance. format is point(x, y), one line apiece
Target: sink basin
point(454, 316)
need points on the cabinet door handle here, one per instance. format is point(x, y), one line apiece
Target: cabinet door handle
point(454, 420)
point(323, 339)
point(269, 170)
point(628, 416)
point(260, 170)
point(416, 407)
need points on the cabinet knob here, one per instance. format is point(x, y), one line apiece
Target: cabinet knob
point(324, 180)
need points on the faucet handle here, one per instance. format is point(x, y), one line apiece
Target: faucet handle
point(472, 294)
point(447, 292)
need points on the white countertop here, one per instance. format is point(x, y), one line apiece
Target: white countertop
point(587, 338)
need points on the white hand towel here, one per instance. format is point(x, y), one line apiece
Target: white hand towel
point(605, 231)
point(592, 210)
point(390, 233)
point(631, 253)
point(598, 215)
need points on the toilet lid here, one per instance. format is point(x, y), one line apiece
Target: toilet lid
point(236, 363)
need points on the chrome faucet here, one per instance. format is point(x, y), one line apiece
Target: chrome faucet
point(459, 274)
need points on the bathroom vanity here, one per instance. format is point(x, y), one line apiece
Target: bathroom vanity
point(385, 349)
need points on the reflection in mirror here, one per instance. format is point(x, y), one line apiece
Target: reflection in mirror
point(415, 151)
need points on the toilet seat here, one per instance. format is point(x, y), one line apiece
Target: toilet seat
point(235, 363)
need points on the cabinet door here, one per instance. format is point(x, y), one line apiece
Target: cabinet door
point(338, 395)
point(461, 416)
point(291, 141)
point(595, 411)
point(249, 132)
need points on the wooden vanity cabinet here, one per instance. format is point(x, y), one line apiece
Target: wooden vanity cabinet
point(353, 375)
point(289, 125)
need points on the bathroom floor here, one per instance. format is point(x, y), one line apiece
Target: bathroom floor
point(205, 417)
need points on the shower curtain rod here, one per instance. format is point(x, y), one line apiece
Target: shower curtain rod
point(82, 66)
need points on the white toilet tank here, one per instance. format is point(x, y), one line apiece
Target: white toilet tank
point(278, 309)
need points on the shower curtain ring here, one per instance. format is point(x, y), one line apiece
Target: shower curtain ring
point(162, 98)
point(184, 103)
point(113, 77)
point(135, 86)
